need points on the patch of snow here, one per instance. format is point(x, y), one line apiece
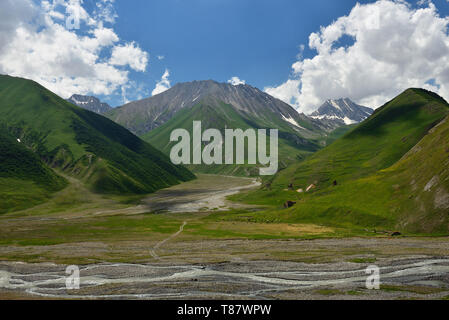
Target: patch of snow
point(328, 117)
point(195, 99)
point(346, 120)
point(349, 121)
point(79, 102)
point(336, 106)
point(346, 103)
point(292, 121)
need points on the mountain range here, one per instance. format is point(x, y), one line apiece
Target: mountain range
point(89, 103)
point(145, 115)
point(220, 106)
point(389, 172)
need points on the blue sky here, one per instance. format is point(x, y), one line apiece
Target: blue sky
point(115, 53)
point(216, 39)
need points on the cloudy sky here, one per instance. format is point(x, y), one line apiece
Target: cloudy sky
point(302, 52)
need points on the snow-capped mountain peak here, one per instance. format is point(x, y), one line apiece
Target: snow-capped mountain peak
point(342, 112)
point(90, 103)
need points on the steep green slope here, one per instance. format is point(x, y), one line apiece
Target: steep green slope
point(216, 114)
point(107, 157)
point(370, 175)
point(24, 179)
point(338, 133)
point(421, 181)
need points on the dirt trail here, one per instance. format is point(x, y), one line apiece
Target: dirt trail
point(157, 246)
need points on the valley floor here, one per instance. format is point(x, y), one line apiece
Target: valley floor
point(255, 275)
point(184, 242)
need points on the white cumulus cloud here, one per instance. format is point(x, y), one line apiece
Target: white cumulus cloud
point(287, 92)
point(129, 54)
point(235, 81)
point(389, 46)
point(35, 43)
point(163, 84)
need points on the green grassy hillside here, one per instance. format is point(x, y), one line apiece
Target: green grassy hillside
point(338, 133)
point(107, 157)
point(375, 144)
point(421, 181)
point(24, 179)
point(218, 115)
point(371, 171)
